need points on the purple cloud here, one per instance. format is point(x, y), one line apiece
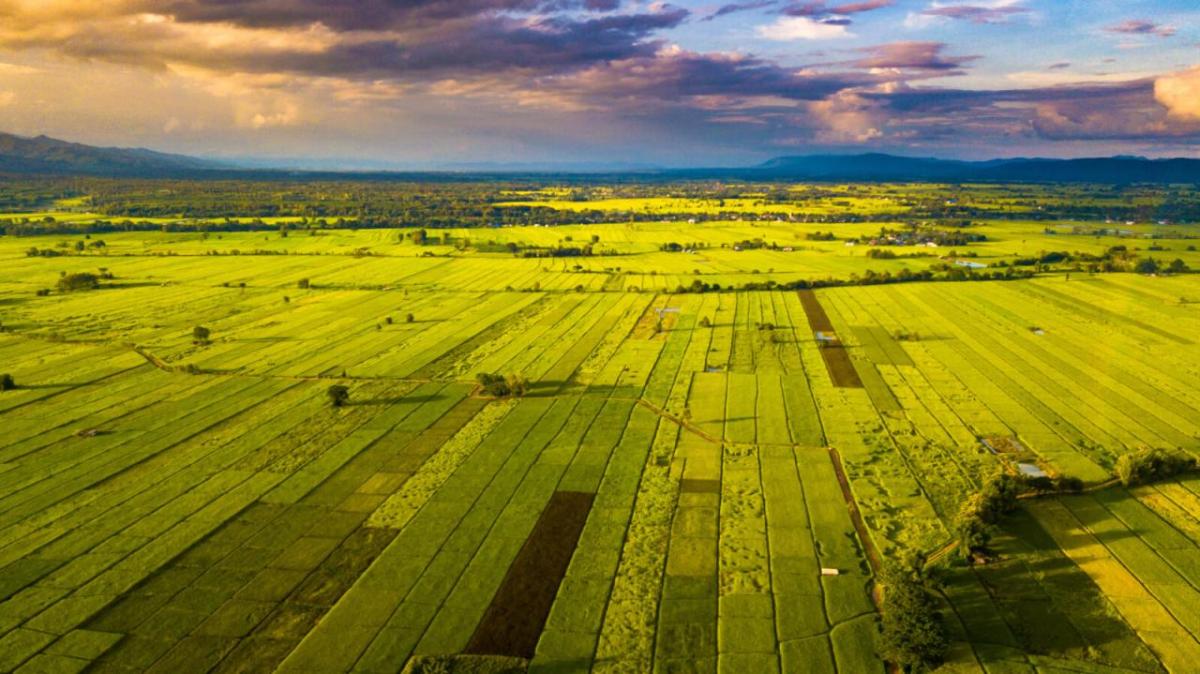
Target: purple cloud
point(734, 8)
point(815, 8)
point(977, 13)
point(911, 55)
point(1139, 27)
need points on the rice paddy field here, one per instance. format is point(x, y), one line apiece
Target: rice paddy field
point(693, 482)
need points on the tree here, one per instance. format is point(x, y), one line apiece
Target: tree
point(1146, 266)
point(912, 632)
point(979, 515)
point(302, 284)
point(1148, 465)
point(338, 394)
point(409, 318)
point(1178, 266)
point(973, 533)
point(80, 281)
point(200, 334)
point(502, 386)
point(6, 382)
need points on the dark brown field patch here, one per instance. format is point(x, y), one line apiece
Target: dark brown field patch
point(692, 486)
point(833, 352)
point(818, 320)
point(514, 620)
point(840, 367)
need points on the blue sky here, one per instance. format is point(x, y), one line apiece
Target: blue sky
point(416, 83)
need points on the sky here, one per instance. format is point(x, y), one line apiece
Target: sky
point(428, 83)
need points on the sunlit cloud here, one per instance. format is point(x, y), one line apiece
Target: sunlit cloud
point(381, 76)
point(791, 28)
point(1180, 93)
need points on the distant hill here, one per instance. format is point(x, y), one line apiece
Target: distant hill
point(48, 156)
point(891, 167)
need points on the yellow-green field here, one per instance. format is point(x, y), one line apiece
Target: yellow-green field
point(173, 504)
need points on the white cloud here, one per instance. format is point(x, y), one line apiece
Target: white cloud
point(789, 28)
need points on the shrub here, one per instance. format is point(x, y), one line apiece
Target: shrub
point(1147, 266)
point(1066, 483)
point(973, 533)
point(705, 323)
point(1149, 465)
point(501, 386)
point(979, 515)
point(998, 497)
point(338, 394)
point(302, 284)
point(200, 334)
point(6, 382)
point(912, 633)
point(409, 318)
point(81, 281)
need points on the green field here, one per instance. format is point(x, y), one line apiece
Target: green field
point(174, 505)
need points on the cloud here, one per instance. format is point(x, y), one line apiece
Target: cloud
point(911, 55)
point(1139, 27)
point(848, 117)
point(735, 7)
point(859, 7)
point(999, 11)
point(417, 40)
point(1180, 93)
point(1056, 77)
point(819, 8)
point(452, 76)
point(791, 28)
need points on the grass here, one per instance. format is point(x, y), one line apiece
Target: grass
point(195, 506)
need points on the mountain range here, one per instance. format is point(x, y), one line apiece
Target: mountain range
point(21, 156)
point(49, 156)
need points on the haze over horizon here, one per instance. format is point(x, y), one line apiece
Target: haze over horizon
point(420, 83)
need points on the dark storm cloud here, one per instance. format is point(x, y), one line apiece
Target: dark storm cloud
point(496, 44)
point(469, 45)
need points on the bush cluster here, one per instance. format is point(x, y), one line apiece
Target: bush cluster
point(912, 632)
point(981, 513)
point(502, 386)
point(338, 394)
point(80, 281)
point(1150, 465)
